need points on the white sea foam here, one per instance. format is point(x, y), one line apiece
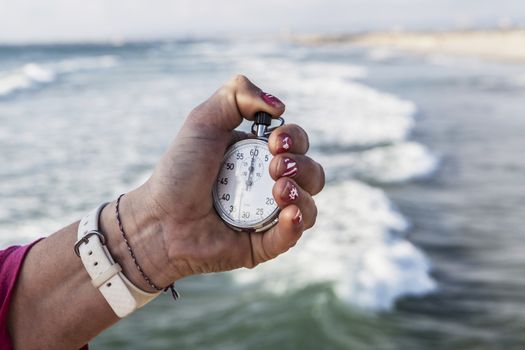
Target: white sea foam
point(392, 163)
point(388, 270)
point(20, 234)
point(326, 100)
point(357, 114)
point(381, 54)
point(357, 245)
point(25, 77)
point(33, 75)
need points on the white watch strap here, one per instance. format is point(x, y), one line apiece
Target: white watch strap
point(122, 295)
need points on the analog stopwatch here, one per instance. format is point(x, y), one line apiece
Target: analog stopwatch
point(242, 194)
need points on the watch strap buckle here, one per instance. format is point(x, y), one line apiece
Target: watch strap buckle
point(85, 240)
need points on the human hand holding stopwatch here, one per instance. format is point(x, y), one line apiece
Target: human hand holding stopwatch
point(218, 211)
point(210, 205)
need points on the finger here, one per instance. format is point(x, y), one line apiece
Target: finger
point(237, 99)
point(305, 171)
point(289, 138)
point(279, 239)
point(286, 191)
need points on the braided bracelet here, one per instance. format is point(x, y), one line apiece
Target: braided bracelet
point(171, 287)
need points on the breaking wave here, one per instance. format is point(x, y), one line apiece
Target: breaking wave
point(34, 75)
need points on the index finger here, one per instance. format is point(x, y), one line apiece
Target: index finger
point(289, 138)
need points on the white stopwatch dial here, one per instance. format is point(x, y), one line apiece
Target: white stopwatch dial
point(242, 194)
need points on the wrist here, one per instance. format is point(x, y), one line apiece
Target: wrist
point(144, 234)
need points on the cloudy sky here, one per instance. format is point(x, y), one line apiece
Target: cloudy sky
point(71, 20)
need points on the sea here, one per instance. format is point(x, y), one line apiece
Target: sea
point(419, 238)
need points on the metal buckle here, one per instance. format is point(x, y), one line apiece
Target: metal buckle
point(85, 239)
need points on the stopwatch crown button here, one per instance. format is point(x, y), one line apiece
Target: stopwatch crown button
point(263, 118)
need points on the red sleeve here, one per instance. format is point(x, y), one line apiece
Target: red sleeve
point(11, 260)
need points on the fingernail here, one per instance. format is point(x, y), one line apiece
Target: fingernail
point(290, 167)
point(298, 218)
point(290, 192)
point(271, 100)
point(285, 143)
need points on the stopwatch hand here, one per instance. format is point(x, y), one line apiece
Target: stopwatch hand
point(249, 182)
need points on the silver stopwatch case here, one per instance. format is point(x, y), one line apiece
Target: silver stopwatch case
point(242, 194)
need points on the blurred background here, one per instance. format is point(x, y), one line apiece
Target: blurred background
point(415, 108)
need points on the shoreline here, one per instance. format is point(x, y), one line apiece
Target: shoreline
point(505, 45)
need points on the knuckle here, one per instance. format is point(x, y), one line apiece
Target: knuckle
point(233, 84)
point(300, 135)
point(274, 168)
point(196, 111)
point(313, 217)
point(306, 140)
point(232, 87)
point(321, 179)
point(312, 222)
point(226, 89)
point(239, 79)
point(276, 159)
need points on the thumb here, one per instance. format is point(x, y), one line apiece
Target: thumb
point(236, 100)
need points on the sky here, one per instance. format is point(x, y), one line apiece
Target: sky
point(103, 20)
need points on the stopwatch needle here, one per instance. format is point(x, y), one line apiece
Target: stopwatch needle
point(249, 182)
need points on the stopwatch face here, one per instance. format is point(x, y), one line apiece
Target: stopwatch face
point(242, 194)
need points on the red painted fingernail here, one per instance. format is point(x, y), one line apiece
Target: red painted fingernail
point(271, 100)
point(290, 192)
point(290, 167)
point(298, 218)
point(285, 143)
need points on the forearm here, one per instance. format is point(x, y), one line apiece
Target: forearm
point(55, 305)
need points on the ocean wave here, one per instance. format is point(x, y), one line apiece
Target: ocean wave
point(354, 114)
point(356, 132)
point(382, 54)
point(357, 245)
point(326, 99)
point(392, 163)
point(25, 233)
point(33, 75)
point(26, 77)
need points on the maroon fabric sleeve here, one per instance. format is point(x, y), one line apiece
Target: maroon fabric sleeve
point(11, 260)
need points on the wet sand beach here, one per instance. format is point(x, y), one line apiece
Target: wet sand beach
point(505, 45)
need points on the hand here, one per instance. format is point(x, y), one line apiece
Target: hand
point(173, 211)
point(170, 223)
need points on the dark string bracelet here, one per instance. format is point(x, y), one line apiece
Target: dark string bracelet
point(171, 287)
